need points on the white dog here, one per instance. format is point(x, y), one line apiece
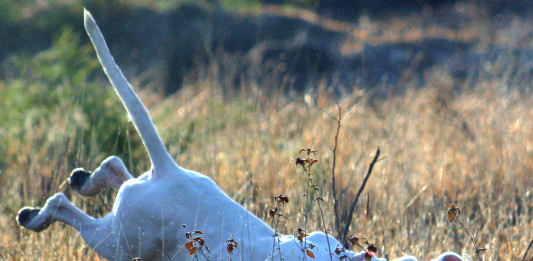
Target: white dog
point(152, 213)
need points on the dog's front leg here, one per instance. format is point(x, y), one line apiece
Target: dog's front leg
point(111, 173)
point(97, 233)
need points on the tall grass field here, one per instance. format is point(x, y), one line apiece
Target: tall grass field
point(441, 144)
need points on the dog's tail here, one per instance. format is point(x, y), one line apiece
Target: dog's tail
point(159, 156)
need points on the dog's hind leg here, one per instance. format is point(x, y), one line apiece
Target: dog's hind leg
point(111, 173)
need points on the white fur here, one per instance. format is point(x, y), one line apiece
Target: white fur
point(111, 173)
point(447, 256)
point(149, 211)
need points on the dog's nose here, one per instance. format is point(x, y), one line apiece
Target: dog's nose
point(77, 178)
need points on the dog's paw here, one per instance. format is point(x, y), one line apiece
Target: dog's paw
point(27, 219)
point(78, 177)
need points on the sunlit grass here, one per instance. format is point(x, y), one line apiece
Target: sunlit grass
point(471, 145)
point(472, 148)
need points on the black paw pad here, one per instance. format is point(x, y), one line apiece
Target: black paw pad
point(26, 214)
point(78, 177)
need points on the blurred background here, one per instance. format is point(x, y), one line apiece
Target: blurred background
point(238, 87)
point(289, 45)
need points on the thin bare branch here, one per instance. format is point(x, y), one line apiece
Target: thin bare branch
point(472, 239)
point(334, 164)
point(527, 250)
point(354, 202)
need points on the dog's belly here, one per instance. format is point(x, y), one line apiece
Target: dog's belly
point(144, 221)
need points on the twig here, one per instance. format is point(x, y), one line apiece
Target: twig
point(354, 202)
point(325, 228)
point(306, 165)
point(278, 215)
point(276, 238)
point(333, 183)
point(452, 214)
point(527, 250)
point(307, 207)
point(471, 238)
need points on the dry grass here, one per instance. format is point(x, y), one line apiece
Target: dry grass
point(473, 148)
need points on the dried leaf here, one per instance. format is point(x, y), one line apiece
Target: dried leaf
point(272, 212)
point(339, 249)
point(353, 240)
point(371, 248)
point(231, 245)
point(311, 161)
point(281, 199)
point(301, 234)
point(479, 250)
point(451, 216)
point(191, 248)
point(300, 162)
point(230, 248)
point(453, 211)
point(310, 253)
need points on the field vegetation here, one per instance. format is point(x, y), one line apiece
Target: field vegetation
point(443, 142)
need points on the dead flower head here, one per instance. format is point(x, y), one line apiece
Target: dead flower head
point(231, 245)
point(452, 212)
point(300, 234)
point(195, 242)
